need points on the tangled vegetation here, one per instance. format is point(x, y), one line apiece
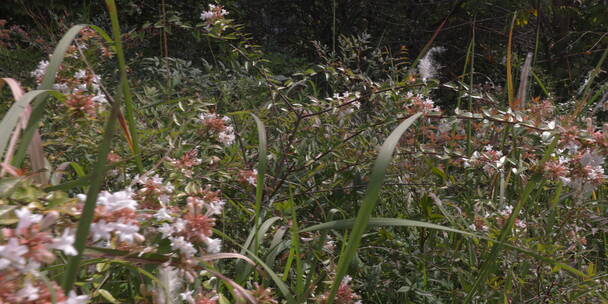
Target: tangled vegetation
point(361, 178)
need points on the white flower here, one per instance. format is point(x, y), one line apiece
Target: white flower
point(185, 247)
point(61, 87)
point(100, 98)
point(179, 225)
point(187, 296)
point(4, 263)
point(506, 211)
point(213, 245)
point(171, 283)
point(28, 292)
point(64, 243)
point(126, 232)
point(252, 179)
point(13, 253)
point(41, 69)
point(520, 224)
point(26, 219)
point(226, 138)
point(32, 267)
point(101, 230)
point(215, 207)
point(166, 230)
point(206, 15)
point(75, 299)
point(81, 74)
point(117, 200)
point(330, 245)
point(163, 215)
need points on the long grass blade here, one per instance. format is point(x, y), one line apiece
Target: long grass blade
point(523, 82)
point(47, 83)
point(275, 278)
point(124, 83)
point(381, 222)
point(259, 188)
point(11, 118)
point(509, 64)
point(86, 217)
point(259, 230)
point(583, 102)
point(369, 202)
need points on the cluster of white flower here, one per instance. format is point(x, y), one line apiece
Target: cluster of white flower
point(215, 12)
point(419, 103)
point(220, 125)
point(344, 101)
point(194, 226)
point(581, 170)
point(115, 216)
point(490, 159)
point(25, 250)
point(83, 82)
point(39, 72)
point(153, 188)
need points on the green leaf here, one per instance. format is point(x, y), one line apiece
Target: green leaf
point(108, 296)
point(369, 202)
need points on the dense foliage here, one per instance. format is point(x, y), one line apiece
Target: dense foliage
point(217, 153)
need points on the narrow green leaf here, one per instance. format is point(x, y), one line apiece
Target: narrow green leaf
point(345, 224)
point(47, 84)
point(107, 295)
point(369, 202)
point(124, 83)
point(11, 118)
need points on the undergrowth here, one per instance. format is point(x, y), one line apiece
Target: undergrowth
point(360, 178)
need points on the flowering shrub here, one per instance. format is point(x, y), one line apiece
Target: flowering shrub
point(496, 198)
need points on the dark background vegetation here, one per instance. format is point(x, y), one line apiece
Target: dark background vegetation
point(565, 35)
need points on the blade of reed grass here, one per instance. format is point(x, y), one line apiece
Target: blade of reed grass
point(17, 92)
point(124, 83)
point(509, 64)
point(583, 102)
point(275, 278)
point(464, 71)
point(99, 170)
point(524, 82)
point(262, 161)
point(47, 84)
point(471, 81)
point(369, 202)
point(11, 118)
point(259, 229)
point(244, 269)
point(541, 84)
point(295, 245)
point(96, 181)
point(373, 222)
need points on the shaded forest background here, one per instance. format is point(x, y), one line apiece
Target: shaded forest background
point(565, 36)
